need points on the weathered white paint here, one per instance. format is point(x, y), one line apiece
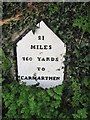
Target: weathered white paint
point(29, 68)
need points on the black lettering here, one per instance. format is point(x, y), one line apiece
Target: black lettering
point(38, 68)
point(35, 78)
point(26, 58)
point(30, 58)
point(43, 69)
point(52, 59)
point(50, 46)
point(22, 77)
point(38, 58)
point(45, 47)
point(56, 59)
point(42, 37)
point(39, 78)
point(23, 58)
point(57, 78)
point(39, 37)
point(33, 47)
point(46, 77)
point(37, 46)
point(54, 78)
point(42, 77)
point(47, 59)
point(29, 77)
point(26, 77)
point(41, 47)
point(43, 59)
point(50, 78)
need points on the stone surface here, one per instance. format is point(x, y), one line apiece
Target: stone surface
point(40, 58)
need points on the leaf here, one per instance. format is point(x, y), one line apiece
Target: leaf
point(6, 64)
point(83, 22)
point(81, 114)
point(58, 90)
point(50, 92)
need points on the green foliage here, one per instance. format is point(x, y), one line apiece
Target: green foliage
point(77, 93)
point(6, 64)
point(82, 20)
point(81, 114)
point(29, 101)
point(82, 23)
point(72, 99)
